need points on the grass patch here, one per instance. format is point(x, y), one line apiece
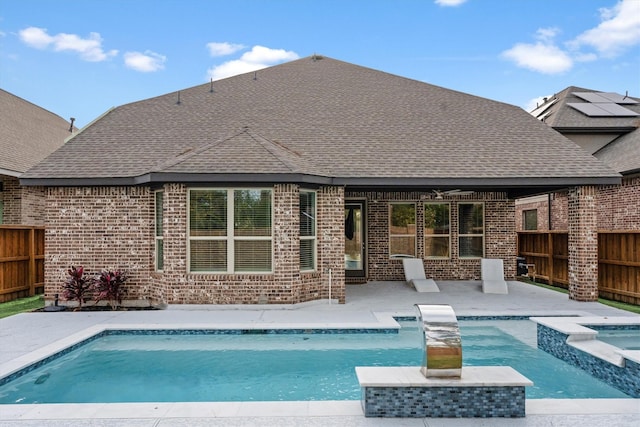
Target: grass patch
point(616, 304)
point(21, 305)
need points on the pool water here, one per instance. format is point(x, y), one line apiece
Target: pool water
point(279, 367)
point(626, 339)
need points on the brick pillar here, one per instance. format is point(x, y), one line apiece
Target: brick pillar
point(583, 244)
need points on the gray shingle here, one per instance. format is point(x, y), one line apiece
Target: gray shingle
point(326, 118)
point(28, 133)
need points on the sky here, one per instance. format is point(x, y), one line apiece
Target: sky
point(79, 58)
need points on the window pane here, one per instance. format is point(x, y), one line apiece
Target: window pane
point(159, 254)
point(471, 247)
point(436, 218)
point(252, 255)
point(436, 247)
point(307, 254)
point(252, 213)
point(159, 197)
point(208, 213)
point(208, 255)
point(530, 218)
point(402, 229)
point(402, 246)
point(471, 218)
point(307, 214)
point(403, 218)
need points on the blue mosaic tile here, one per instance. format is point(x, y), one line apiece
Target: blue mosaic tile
point(440, 402)
point(625, 379)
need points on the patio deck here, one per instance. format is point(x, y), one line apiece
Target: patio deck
point(367, 305)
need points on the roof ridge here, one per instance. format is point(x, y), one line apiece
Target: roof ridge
point(188, 153)
point(274, 147)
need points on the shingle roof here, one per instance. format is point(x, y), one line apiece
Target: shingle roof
point(321, 119)
point(623, 153)
point(28, 133)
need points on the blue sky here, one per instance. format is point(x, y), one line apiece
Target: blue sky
point(78, 58)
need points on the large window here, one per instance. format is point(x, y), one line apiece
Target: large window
point(230, 230)
point(471, 230)
point(307, 230)
point(437, 231)
point(159, 233)
point(530, 219)
point(402, 230)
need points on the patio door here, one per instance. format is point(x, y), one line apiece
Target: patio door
point(354, 239)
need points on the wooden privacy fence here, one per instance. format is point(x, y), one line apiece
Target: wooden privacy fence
point(618, 261)
point(21, 261)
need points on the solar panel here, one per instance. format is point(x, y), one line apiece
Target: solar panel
point(617, 98)
point(594, 97)
point(602, 109)
point(590, 110)
point(544, 107)
point(617, 110)
point(600, 97)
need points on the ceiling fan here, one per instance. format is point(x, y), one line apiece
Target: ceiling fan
point(457, 192)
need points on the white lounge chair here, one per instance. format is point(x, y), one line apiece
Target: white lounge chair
point(493, 277)
point(414, 274)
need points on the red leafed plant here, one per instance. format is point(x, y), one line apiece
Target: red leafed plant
point(76, 287)
point(109, 285)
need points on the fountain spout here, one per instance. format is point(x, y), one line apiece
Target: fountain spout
point(441, 341)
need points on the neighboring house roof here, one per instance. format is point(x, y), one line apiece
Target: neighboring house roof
point(28, 134)
point(569, 112)
point(320, 120)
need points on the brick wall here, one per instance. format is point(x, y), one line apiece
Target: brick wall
point(99, 228)
point(542, 214)
point(22, 205)
point(500, 235)
point(619, 205)
point(583, 243)
point(113, 227)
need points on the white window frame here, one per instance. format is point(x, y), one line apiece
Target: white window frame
point(313, 238)
point(415, 235)
point(426, 235)
point(158, 239)
point(230, 238)
point(484, 228)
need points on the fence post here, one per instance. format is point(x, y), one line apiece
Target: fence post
point(32, 261)
point(551, 258)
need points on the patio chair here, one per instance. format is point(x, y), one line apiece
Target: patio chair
point(414, 274)
point(493, 277)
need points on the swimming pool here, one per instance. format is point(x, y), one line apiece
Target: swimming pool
point(168, 366)
point(626, 339)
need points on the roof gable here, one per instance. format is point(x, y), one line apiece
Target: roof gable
point(28, 133)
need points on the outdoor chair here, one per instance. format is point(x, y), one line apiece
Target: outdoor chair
point(414, 275)
point(493, 277)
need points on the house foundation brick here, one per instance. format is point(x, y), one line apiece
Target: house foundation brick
point(583, 243)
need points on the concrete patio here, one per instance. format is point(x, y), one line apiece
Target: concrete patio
point(26, 335)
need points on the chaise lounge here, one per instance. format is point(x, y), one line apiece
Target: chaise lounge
point(415, 276)
point(493, 276)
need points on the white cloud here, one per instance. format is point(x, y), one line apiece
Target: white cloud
point(144, 62)
point(543, 56)
point(89, 49)
point(257, 58)
point(619, 29)
point(450, 2)
point(222, 49)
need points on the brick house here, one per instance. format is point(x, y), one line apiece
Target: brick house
point(612, 135)
point(285, 184)
point(28, 134)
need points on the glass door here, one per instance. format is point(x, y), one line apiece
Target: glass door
point(354, 244)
